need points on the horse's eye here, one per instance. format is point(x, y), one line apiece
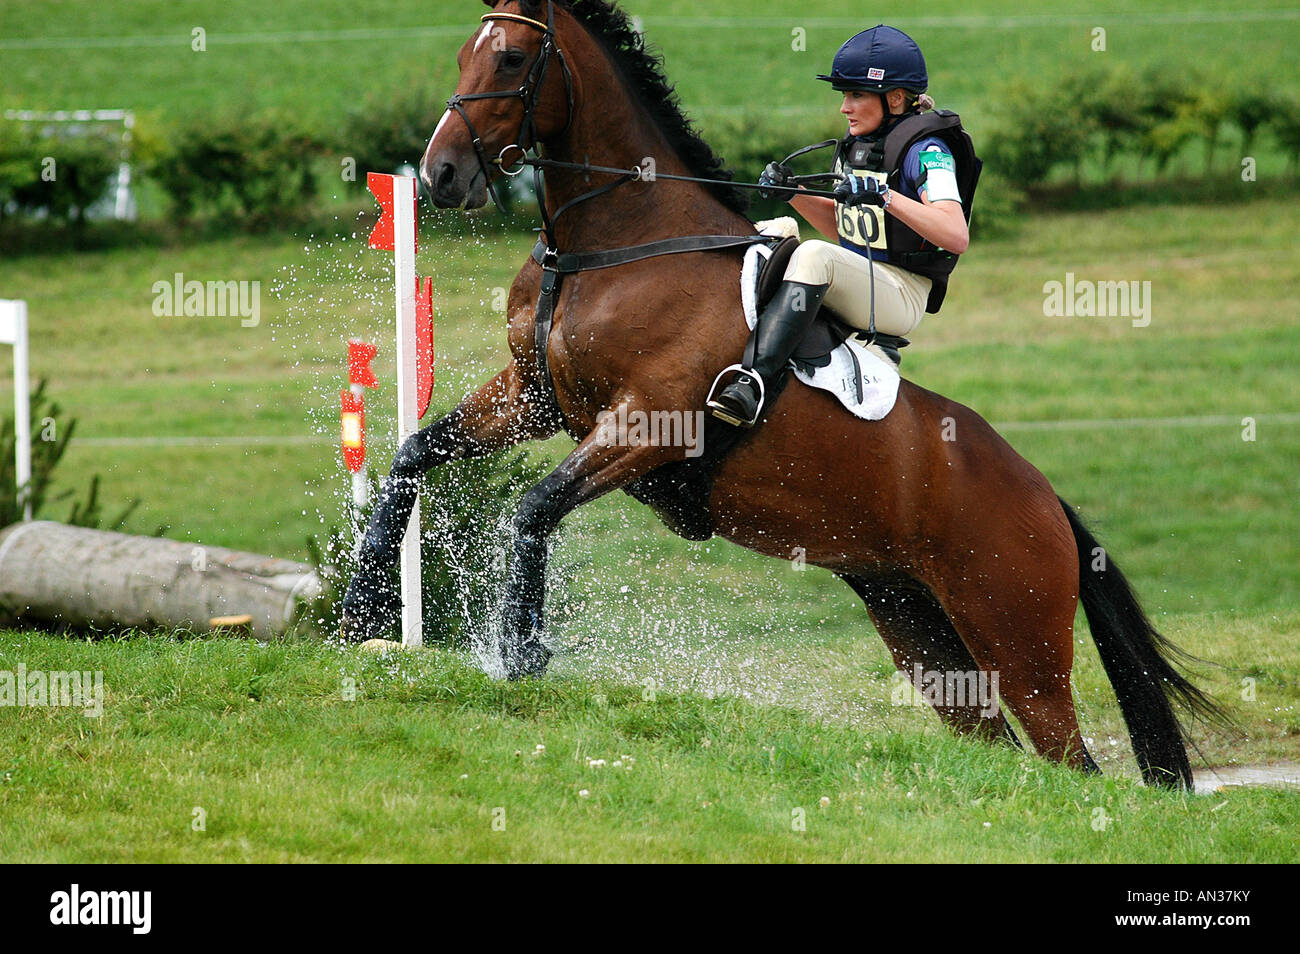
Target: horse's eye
point(512, 59)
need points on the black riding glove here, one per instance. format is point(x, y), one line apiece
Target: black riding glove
point(775, 174)
point(861, 190)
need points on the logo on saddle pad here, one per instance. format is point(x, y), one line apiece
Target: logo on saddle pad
point(638, 428)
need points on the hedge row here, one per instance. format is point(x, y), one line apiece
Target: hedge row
point(1107, 125)
point(248, 169)
point(1088, 127)
point(255, 169)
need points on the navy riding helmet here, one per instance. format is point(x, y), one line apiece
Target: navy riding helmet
point(879, 59)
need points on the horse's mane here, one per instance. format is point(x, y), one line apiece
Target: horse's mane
point(643, 69)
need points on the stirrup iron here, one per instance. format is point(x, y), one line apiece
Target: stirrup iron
point(721, 412)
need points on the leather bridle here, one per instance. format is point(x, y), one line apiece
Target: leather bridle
point(528, 94)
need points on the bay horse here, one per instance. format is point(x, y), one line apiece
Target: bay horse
point(965, 557)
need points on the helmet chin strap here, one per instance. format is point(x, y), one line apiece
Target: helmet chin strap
point(888, 118)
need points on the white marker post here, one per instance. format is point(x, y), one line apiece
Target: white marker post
point(395, 232)
point(408, 412)
point(13, 331)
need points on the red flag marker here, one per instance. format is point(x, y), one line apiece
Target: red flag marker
point(354, 431)
point(423, 342)
point(381, 187)
point(360, 354)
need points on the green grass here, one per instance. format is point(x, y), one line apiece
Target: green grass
point(258, 746)
point(1202, 520)
point(730, 62)
point(725, 58)
point(1203, 523)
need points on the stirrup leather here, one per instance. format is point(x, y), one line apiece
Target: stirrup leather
point(722, 413)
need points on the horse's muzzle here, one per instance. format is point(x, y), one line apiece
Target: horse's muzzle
point(453, 185)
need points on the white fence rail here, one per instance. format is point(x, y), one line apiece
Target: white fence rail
point(123, 202)
point(13, 331)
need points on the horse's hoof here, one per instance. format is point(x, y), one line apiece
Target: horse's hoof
point(524, 660)
point(359, 629)
point(370, 609)
point(522, 652)
point(381, 646)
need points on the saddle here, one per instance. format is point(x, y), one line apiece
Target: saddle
point(828, 330)
point(679, 491)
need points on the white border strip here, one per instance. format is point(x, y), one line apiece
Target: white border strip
point(13, 331)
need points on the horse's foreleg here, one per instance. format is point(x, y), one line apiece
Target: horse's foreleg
point(595, 467)
point(498, 415)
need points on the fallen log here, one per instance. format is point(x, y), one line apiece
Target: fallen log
point(57, 573)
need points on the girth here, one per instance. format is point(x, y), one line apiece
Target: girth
point(555, 265)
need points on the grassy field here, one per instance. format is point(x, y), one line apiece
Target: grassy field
point(770, 689)
point(229, 751)
point(731, 64)
point(55, 51)
point(1139, 426)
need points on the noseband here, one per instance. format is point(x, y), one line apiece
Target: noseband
point(528, 95)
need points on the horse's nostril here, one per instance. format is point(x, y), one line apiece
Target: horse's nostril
point(445, 175)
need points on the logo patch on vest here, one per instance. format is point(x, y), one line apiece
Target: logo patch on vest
point(939, 176)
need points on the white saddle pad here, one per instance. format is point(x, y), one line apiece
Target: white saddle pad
point(877, 374)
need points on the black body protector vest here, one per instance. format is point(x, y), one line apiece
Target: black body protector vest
point(868, 230)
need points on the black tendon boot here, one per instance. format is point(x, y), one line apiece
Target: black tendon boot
point(777, 333)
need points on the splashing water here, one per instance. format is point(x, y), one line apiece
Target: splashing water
point(343, 290)
point(604, 620)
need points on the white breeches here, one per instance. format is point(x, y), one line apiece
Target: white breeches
point(900, 295)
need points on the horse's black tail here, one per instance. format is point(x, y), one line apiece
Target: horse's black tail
point(1136, 658)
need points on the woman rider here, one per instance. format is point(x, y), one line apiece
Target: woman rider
point(903, 202)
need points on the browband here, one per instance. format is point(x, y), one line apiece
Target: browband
point(515, 16)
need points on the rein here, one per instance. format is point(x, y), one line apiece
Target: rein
point(645, 175)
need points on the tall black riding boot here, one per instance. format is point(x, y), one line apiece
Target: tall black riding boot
point(777, 333)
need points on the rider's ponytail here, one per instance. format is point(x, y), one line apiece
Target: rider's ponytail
point(914, 102)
